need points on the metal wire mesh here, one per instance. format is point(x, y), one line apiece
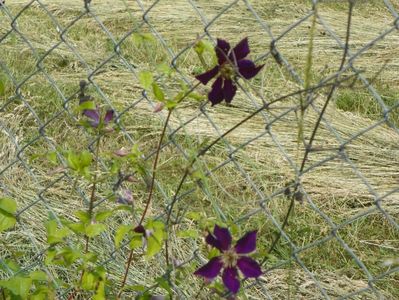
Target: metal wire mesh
point(366, 185)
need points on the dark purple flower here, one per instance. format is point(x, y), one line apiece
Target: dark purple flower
point(232, 258)
point(95, 116)
point(231, 62)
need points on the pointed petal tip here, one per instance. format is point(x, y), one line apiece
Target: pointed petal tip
point(211, 269)
point(249, 267)
point(247, 243)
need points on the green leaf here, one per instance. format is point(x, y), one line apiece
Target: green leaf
point(38, 276)
point(85, 159)
point(83, 216)
point(100, 291)
point(89, 281)
point(8, 207)
point(93, 230)
point(158, 93)
point(146, 79)
point(103, 215)
point(170, 104)
point(18, 286)
point(120, 234)
point(155, 239)
point(196, 96)
point(51, 253)
point(190, 233)
point(76, 227)
point(73, 160)
point(90, 105)
point(136, 242)
point(55, 235)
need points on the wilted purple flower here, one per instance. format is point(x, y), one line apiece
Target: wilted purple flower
point(95, 116)
point(122, 152)
point(125, 197)
point(231, 258)
point(230, 63)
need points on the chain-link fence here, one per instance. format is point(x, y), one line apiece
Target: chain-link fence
point(342, 237)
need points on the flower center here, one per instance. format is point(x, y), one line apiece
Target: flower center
point(226, 70)
point(229, 258)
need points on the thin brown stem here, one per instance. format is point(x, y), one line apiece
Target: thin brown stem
point(318, 122)
point(129, 261)
point(154, 170)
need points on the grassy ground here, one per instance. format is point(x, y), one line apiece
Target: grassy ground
point(334, 188)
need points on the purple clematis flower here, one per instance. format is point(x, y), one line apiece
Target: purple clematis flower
point(232, 258)
point(95, 116)
point(231, 62)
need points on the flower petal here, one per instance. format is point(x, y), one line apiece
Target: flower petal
point(109, 115)
point(249, 267)
point(230, 280)
point(94, 115)
point(207, 76)
point(223, 236)
point(247, 68)
point(222, 50)
point(216, 94)
point(240, 51)
point(211, 240)
point(211, 269)
point(229, 90)
point(247, 243)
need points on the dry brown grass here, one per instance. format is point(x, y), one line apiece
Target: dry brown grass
point(333, 186)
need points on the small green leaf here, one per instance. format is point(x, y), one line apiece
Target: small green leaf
point(8, 205)
point(136, 242)
point(76, 227)
point(158, 93)
point(154, 245)
point(85, 159)
point(73, 160)
point(171, 104)
point(38, 276)
point(100, 291)
point(83, 216)
point(18, 286)
point(93, 230)
point(89, 281)
point(8, 208)
point(120, 234)
point(55, 235)
point(87, 105)
point(103, 215)
point(146, 79)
